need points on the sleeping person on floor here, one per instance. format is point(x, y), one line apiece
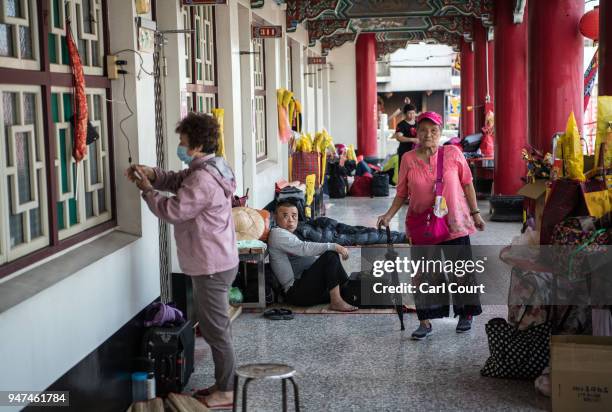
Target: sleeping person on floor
point(310, 273)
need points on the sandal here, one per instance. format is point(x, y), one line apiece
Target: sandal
point(204, 392)
point(220, 407)
point(278, 314)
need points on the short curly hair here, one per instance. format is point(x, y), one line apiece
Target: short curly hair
point(201, 130)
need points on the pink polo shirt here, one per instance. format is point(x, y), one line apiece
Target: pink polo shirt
point(417, 178)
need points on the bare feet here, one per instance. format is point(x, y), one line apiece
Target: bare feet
point(342, 306)
point(219, 399)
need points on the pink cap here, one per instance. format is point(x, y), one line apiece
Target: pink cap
point(431, 116)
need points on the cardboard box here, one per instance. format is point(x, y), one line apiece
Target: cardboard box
point(537, 192)
point(581, 373)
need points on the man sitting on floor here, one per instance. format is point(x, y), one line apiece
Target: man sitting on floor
point(306, 279)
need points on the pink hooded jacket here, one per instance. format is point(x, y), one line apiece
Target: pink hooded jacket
point(201, 212)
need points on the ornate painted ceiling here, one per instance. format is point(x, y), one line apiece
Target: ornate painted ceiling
point(395, 22)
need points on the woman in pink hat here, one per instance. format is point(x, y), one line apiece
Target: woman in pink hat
point(452, 199)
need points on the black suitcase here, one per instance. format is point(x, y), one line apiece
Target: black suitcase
point(380, 184)
point(172, 350)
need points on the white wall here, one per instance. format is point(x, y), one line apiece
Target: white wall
point(343, 94)
point(46, 335)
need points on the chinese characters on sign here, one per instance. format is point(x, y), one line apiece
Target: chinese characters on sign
point(263, 32)
point(317, 60)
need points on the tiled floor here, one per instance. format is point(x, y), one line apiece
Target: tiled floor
point(364, 363)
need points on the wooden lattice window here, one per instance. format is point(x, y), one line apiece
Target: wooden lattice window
point(47, 201)
point(86, 21)
point(259, 103)
point(200, 57)
point(259, 65)
point(19, 27)
point(289, 67)
point(261, 142)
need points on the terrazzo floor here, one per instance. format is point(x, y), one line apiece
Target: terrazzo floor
point(362, 362)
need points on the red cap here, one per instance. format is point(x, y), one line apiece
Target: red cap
point(431, 116)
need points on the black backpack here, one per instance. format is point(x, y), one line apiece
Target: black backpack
point(380, 184)
point(358, 291)
point(337, 183)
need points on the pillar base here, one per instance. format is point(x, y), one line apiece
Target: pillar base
point(505, 208)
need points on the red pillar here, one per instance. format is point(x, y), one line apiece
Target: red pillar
point(511, 105)
point(365, 57)
point(480, 73)
point(605, 48)
point(467, 88)
point(555, 68)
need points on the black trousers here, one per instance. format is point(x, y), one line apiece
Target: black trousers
point(313, 287)
point(433, 306)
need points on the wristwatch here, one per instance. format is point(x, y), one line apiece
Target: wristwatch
point(474, 212)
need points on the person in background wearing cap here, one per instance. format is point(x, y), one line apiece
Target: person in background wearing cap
point(310, 273)
point(416, 179)
point(406, 133)
point(201, 212)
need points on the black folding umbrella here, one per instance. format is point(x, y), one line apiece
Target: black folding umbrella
point(396, 298)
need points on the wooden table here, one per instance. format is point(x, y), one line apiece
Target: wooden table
point(259, 255)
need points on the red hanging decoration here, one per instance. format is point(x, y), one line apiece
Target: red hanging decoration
point(589, 24)
point(80, 100)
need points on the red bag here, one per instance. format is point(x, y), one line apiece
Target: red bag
point(362, 186)
point(426, 228)
point(304, 164)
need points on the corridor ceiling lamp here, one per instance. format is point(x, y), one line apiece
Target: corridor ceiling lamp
point(589, 24)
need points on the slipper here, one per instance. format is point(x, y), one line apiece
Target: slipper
point(354, 309)
point(220, 407)
point(202, 393)
point(278, 314)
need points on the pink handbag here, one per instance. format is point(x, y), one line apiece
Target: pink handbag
point(426, 228)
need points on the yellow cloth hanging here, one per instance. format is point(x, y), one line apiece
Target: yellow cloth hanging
point(350, 153)
point(298, 111)
point(570, 149)
point(291, 111)
point(218, 114)
point(604, 135)
point(310, 191)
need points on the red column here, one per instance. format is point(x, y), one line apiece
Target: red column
point(467, 88)
point(555, 68)
point(605, 48)
point(480, 73)
point(365, 57)
point(511, 105)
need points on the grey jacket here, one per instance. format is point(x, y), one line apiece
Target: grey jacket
point(290, 256)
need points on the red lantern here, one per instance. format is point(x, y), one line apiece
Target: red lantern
point(589, 24)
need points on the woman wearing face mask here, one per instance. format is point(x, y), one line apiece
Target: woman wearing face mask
point(200, 211)
point(416, 179)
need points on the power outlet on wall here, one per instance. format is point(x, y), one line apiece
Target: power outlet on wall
point(111, 67)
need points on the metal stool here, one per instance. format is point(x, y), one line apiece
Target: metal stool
point(265, 371)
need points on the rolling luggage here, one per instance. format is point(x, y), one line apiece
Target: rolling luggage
point(172, 350)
